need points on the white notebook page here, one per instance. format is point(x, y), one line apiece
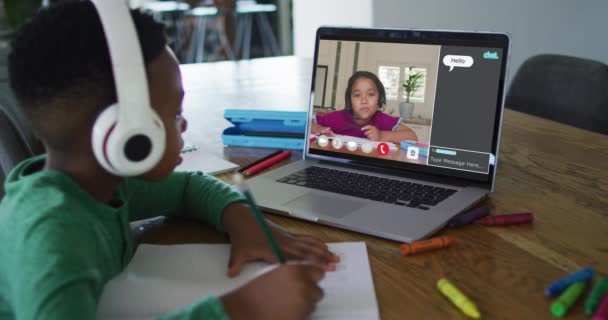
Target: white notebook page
point(161, 279)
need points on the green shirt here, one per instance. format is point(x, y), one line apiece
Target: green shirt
point(59, 246)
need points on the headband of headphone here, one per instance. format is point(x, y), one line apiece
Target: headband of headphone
point(128, 137)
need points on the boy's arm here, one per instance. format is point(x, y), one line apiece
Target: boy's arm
point(190, 194)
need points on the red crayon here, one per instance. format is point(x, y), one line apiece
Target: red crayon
point(601, 313)
point(263, 165)
point(256, 162)
point(506, 219)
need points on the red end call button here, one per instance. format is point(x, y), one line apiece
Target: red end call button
point(382, 148)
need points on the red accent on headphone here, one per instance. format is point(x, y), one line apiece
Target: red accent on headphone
point(105, 141)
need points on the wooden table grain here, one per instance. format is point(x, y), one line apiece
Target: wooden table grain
point(556, 171)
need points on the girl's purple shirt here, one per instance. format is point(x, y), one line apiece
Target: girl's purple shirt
point(342, 122)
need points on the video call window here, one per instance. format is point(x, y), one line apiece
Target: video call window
point(367, 110)
point(380, 100)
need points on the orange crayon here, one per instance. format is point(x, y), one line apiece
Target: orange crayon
point(426, 245)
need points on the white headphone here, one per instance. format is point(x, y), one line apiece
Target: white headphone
point(128, 137)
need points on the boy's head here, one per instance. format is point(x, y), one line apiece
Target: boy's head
point(364, 95)
point(60, 70)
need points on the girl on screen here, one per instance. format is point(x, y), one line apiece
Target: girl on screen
point(362, 117)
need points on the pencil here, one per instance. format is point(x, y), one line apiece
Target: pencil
point(240, 182)
point(267, 163)
point(249, 165)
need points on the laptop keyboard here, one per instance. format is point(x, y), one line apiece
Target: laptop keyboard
point(398, 192)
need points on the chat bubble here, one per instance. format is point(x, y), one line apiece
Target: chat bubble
point(457, 61)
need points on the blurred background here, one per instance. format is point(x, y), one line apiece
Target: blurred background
point(563, 41)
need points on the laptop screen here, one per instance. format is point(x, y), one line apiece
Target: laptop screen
point(416, 100)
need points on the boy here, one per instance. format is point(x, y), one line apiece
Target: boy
point(64, 221)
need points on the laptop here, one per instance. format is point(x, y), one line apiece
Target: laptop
point(403, 131)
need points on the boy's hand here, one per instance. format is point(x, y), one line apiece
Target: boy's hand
point(372, 133)
point(250, 244)
point(287, 292)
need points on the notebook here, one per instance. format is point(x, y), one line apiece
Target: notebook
point(161, 279)
point(194, 159)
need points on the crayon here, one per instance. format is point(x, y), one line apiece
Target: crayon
point(559, 285)
point(469, 217)
point(602, 311)
point(266, 163)
point(249, 165)
point(458, 298)
point(567, 298)
point(426, 245)
point(595, 297)
point(506, 219)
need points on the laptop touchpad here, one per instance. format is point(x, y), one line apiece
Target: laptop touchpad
point(312, 203)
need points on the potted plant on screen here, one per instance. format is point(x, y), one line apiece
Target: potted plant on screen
point(413, 83)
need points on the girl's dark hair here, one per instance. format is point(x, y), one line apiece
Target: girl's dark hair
point(371, 76)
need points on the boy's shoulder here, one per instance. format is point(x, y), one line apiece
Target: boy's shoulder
point(38, 197)
point(41, 215)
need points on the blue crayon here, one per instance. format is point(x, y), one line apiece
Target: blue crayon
point(558, 286)
point(469, 217)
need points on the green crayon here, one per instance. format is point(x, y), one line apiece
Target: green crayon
point(567, 299)
point(595, 297)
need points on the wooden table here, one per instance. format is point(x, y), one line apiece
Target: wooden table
point(558, 172)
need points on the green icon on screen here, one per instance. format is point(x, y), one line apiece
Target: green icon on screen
point(490, 55)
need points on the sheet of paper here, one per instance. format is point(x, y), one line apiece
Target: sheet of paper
point(198, 160)
point(162, 279)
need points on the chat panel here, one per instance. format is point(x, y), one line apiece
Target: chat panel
point(466, 99)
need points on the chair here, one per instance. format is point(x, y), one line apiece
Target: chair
point(13, 148)
point(17, 140)
point(247, 11)
point(566, 89)
point(172, 14)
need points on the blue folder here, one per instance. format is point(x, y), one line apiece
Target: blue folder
point(265, 129)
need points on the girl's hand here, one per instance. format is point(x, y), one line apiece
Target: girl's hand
point(319, 130)
point(372, 133)
point(287, 292)
point(250, 244)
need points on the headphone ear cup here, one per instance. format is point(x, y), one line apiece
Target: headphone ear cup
point(103, 127)
point(126, 150)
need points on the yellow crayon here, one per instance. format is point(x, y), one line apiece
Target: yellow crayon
point(460, 300)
